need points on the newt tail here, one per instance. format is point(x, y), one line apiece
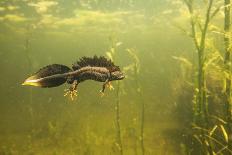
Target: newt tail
point(87, 68)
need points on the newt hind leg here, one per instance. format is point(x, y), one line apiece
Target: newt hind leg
point(72, 91)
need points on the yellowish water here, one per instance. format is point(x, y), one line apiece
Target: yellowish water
point(42, 121)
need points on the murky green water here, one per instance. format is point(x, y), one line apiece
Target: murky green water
point(42, 121)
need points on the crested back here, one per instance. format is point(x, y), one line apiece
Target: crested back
point(95, 62)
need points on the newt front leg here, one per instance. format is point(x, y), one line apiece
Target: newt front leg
point(72, 91)
point(106, 84)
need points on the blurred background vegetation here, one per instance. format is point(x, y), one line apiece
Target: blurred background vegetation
point(176, 95)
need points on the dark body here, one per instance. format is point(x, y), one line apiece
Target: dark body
point(100, 74)
point(96, 68)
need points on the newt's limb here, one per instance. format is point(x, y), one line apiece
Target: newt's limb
point(109, 85)
point(72, 91)
point(106, 84)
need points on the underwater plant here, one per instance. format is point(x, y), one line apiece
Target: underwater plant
point(112, 54)
point(135, 67)
point(201, 99)
point(209, 129)
point(201, 108)
point(227, 62)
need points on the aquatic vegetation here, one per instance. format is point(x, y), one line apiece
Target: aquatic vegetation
point(112, 54)
point(135, 67)
point(174, 100)
point(209, 128)
point(227, 62)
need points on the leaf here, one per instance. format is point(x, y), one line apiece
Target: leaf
point(224, 85)
point(206, 142)
point(112, 50)
point(197, 138)
point(118, 44)
point(227, 75)
point(182, 60)
point(224, 133)
point(136, 62)
point(183, 30)
point(129, 67)
point(224, 148)
point(109, 55)
point(133, 55)
point(215, 12)
point(212, 131)
point(219, 119)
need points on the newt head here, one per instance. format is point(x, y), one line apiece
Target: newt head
point(116, 75)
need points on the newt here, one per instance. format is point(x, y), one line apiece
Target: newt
point(86, 68)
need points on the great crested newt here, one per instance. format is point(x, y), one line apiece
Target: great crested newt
point(87, 68)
